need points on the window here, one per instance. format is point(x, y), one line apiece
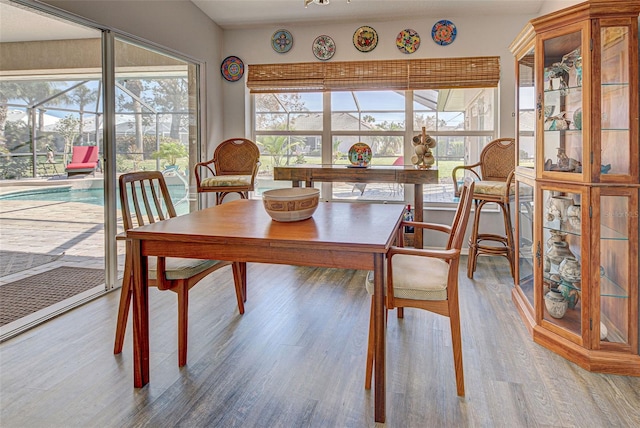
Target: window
point(289, 130)
point(381, 103)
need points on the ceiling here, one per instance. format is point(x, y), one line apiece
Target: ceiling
point(245, 13)
point(20, 24)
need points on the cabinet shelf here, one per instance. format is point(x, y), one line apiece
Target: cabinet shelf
point(582, 63)
point(609, 288)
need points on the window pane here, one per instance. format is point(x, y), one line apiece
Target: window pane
point(462, 122)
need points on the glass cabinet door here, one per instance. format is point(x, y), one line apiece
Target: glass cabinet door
point(526, 120)
point(618, 270)
point(562, 104)
point(563, 270)
point(615, 101)
point(526, 242)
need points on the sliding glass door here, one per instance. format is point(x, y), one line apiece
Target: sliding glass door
point(79, 106)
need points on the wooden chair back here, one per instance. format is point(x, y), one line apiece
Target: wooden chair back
point(144, 199)
point(461, 218)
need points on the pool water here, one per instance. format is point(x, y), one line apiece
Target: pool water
point(89, 196)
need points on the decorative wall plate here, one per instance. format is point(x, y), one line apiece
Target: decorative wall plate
point(365, 39)
point(408, 41)
point(444, 32)
point(282, 41)
point(360, 155)
point(323, 47)
point(232, 68)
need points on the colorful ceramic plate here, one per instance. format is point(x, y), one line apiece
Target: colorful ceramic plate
point(232, 68)
point(323, 48)
point(444, 32)
point(282, 41)
point(360, 155)
point(408, 41)
point(365, 39)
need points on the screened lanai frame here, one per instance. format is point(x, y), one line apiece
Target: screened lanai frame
point(106, 42)
point(52, 139)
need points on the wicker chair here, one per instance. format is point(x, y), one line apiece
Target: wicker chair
point(233, 169)
point(496, 173)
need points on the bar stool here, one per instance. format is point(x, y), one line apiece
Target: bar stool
point(494, 184)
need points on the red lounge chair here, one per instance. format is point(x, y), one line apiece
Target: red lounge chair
point(84, 160)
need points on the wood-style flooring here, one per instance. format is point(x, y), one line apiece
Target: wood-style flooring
point(296, 358)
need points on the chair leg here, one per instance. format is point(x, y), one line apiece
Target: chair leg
point(456, 341)
point(126, 294)
point(183, 322)
point(473, 242)
point(240, 281)
point(370, 353)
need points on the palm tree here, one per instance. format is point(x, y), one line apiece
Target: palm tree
point(279, 146)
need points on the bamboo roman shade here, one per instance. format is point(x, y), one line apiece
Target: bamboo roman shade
point(428, 73)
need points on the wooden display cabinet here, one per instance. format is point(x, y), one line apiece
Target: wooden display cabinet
point(577, 183)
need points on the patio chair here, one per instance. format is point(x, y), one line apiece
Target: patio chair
point(84, 160)
point(144, 198)
point(233, 169)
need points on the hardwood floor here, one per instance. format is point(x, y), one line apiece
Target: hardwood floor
point(296, 358)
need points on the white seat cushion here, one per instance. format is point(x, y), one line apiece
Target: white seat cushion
point(419, 278)
point(178, 268)
point(226, 180)
point(494, 188)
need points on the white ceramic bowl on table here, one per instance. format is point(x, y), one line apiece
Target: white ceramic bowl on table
point(291, 204)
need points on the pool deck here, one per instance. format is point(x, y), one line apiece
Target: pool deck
point(50, 227)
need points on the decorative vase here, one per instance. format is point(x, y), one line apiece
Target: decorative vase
point(569, 270)
point(577, 118)
point(558, 252)
point(570, 294)
point(574, 211)
point(560, 204)
point(556, 304)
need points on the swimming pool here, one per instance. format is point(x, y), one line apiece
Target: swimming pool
point(89, 196)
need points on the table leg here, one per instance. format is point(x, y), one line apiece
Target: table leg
point(379, 328)
point(419, 207)
point(140, 316)
point(296, 183)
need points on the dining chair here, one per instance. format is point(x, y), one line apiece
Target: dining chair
point(145, 199)
point(233, 169)
point(427, 279)
point(494, 174)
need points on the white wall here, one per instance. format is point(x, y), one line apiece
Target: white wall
point(489, 36)
point(178, 25)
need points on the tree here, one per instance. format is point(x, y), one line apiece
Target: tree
point(132, 102)
point(388, 145)
point(82, 96)
point(278, 146)
point(68, 127)
point(171, 151)
point(171, 95)
point(278, 105)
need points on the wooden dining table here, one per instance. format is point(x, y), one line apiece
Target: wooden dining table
point(339, 235)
